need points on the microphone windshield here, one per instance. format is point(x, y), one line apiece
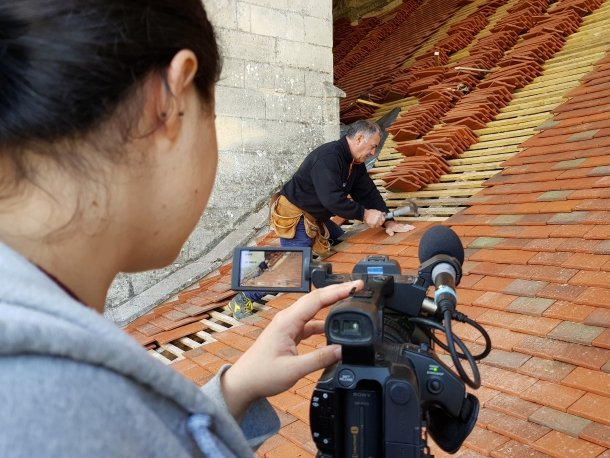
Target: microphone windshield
point(440, 240)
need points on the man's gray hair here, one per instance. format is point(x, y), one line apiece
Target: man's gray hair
point(368, 128)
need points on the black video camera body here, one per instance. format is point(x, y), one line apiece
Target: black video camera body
point(390, 389)
point(375, 402)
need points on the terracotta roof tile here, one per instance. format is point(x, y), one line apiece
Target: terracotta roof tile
point(512, 427)
point(514, 449)
point(537, 268)
point(505, 359)
point(565, 310)
point(556, 443)
point(552, 394)
point(484, 441)
point(594, 407)
point(547, 370)
point(298, 433)
point(598, 434)
point(603, 341)
point(579, 355)
point(288, 448)
point(560, 421)
point(596, 382)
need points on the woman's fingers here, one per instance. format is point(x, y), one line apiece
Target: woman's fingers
point(313, 361)
point(313, 328)
point(306, 307)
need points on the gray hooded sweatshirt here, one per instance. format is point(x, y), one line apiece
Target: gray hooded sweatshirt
point(72, 384)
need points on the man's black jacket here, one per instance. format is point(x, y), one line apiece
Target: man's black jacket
point(323, 181)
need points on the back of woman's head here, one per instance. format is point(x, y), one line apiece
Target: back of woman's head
point(66, 65)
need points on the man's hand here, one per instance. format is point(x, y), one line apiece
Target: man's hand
point(374, 218)
point(392, 227)
point(272, 364)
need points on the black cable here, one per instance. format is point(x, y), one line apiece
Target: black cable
point(453, 340)
point(464, 319)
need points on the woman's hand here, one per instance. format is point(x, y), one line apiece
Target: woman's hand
point(272, 365)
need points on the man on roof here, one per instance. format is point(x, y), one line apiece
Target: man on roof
point(332, 181)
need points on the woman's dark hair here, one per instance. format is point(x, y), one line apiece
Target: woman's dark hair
point(66, 65)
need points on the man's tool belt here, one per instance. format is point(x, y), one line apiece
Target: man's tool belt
point(284, 217)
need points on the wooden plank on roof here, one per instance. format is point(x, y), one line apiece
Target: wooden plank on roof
point(396, 159)
point(468, 176)
point(440, 193)
point(480, 166)
point(423, 203)
point(489, 151)
point(421, 218)
point(189, 342)
point(173, 350)
point(503, 134)
point(540, 92)
point(480, 159)
point(507, 124)
point(452, 185)
point(516, 111)
point(564, 74)
point(155, 354)
point(534, 106)
point(571, 62)
point(512, 141)
point(439, 211)
point(213, 326)
point(206, 336)
point(225, 318)
point(590, 40)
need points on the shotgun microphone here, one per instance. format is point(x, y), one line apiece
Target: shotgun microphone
point(442, 247)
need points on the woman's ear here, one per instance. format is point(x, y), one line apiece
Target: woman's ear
point(177, 83)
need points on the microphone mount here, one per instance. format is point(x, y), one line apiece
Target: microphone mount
point(426, 268)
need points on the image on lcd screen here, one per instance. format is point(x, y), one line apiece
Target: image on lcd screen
point(273, 269)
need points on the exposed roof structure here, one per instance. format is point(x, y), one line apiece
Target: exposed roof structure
point(503, 135)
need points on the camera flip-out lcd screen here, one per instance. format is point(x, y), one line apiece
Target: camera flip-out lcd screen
point(271, 269)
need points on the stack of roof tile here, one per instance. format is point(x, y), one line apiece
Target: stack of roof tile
point(341, 30)
point(391, 52)
point(486, 52)
point(511, 69)
point(346, 40)
point(396, 86)
point(427, 156)
point(374, 39)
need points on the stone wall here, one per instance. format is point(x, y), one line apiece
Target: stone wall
point(275, 102)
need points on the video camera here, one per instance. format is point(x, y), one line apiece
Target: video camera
point(390, 390)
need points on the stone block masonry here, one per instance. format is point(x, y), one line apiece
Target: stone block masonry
point(275, 101)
